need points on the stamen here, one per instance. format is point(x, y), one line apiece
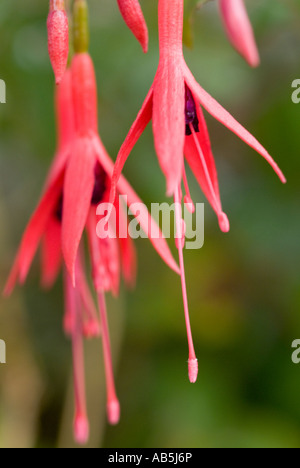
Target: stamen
point(100, 184)
point(192, 362)
point(101, 279)
point(223, 219)
point(91, 326)
point(187, 199)
point(191, 117)
point(81, 429)
point(113, 405)
point(81, 424)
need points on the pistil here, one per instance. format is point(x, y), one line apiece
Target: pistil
point(113, 405)
point(192, 362)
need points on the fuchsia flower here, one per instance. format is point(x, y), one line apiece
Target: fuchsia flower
point(58, 38)
point(239, 30)
point(78, 181)
point(133, 17)
point(174, 103)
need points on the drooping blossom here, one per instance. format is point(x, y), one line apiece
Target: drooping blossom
point(79, 181)
point(88, 153)
point(58, 38)
point(133, 17)
point(174, 103)
point(239, 30)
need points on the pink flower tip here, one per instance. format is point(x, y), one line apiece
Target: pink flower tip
point(113, 412)
point(133, 17)
point(239, 30)
point(224, 222)
point(193, 370)
point(68, 324)
point(91, 329)
point(7, 291)
point(254, 59)
point(189, 204)
point(81, 429)
point(283, 179)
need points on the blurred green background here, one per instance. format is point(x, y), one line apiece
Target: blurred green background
point(243, 287)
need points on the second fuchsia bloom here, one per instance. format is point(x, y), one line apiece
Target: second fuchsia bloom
point(133, 17)
point(239, 30)
point(79, 180)
point(174, 103)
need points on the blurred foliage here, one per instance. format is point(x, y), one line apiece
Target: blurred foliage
point(243, 287)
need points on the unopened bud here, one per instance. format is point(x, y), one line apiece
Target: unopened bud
point(58, 38)
point(133, 17)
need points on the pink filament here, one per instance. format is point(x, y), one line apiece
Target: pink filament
point(81, 425)
point(91, 325)
point(192, 362)
point(113, 406)
point(222, 217)
point(187, 199)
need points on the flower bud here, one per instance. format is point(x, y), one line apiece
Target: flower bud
point(133, 17)
point(239, 30)
point(58, 38)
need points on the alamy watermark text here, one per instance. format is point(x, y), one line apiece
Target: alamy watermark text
point(296, 353)
point(2, 352)
point(163, 213)
point(2, 92)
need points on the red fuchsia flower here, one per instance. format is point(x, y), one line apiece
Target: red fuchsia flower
point(174, 103)
point(133, 17)
point(239, 30)
point(58, 38)
point(79, 180)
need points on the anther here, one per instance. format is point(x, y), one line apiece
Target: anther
point(190, 113)
point(100, 185)
point(59, 209)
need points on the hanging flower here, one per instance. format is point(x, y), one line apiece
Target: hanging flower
point(174, 103)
